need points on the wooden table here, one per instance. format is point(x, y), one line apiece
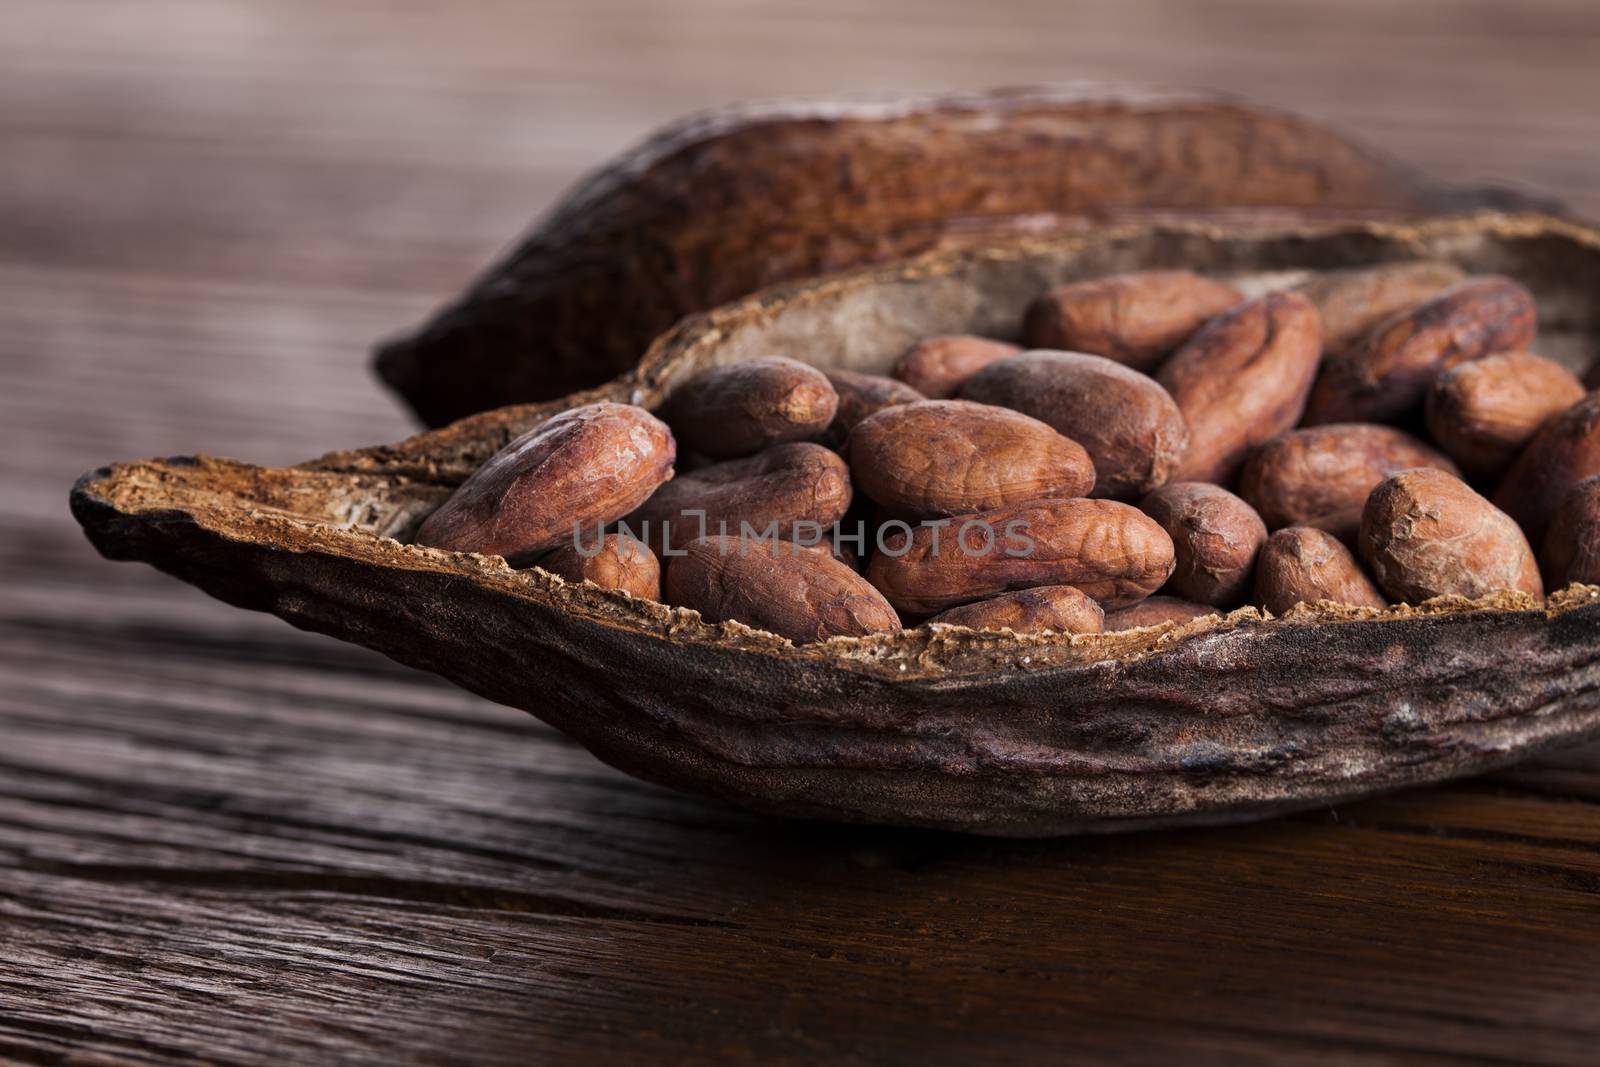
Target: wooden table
point(222, 840)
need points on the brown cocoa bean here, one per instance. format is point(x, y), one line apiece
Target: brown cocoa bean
point(936, 366)
point(1215, 538)
point(584, 467)
point(953, 457)
point(1242, 379)
point(1128, 424)
point(787, 491)
point(1045, 608)
point(1425, 533)
point(742, 408)
point(861, 395)
point(1352, 302)
point(1572, 545)
point(1112, 551)
point(616, 561)
point(799, 594)
point(1322, 476)
point(1483, 412)
point(1301, 565)
point(1564, 451)
point(1385, 374)
point(1154, 611)
point(1134, 319)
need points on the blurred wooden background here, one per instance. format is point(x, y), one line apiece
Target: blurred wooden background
point(221, 838)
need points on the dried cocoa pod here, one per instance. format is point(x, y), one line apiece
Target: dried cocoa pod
point(716, 206)
point(744, 407)
point(802, 595)
point(1353, 301)
point(936, 366)
point(1112, 551)
point(1322, 476)
point(1045, 608)
point(1425, 533)
point(1386, 374)
point(582, 468)
point(953, 457)
point(776, 491)
point(1242, 379)
point(1564, 451)
point(615, 562)
point(1572, 544)
point(1483, 412)
point(1128, 424)
point(1301, 565)
point(1154, 611)
point(1134, 319)
point(861, 395)
point(1215, 538)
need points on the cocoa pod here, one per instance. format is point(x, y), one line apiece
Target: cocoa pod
point(1134, 319)
point(1572, 544)
point(802, 595)
point(1483, 412)
point(1564, 451)
point(1386, 374)
point(1128, 424)
point(617, 561)
point(1322, 476)
point(1154, 611)
point(774, 492)
point(1353, 301)
point(1301, 565)
point(953, 457)
point(1215, 538)
point(744, 407)
point(1242, 379)
point(1109, 550)
point(861, 395)
point(1425, 533)
point(584, 467)
point(1045, 608)
point(936, 366)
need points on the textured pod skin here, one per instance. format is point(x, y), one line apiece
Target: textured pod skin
point(742, 408)
point(1425, 533)
point(1134, 319)
point(937, 366)
point(1386, 374)
point(1154, 611)
point(704, 212)
point(584, 467)
point(1572, 544)
point(1128, 424)
point(1565, 451)
point(1241, 379)
point(1045, 609)
point(1352, 302)
point(785, 484)
point(1321, 476)
point(861, 395)
point(1215, 538)
point(1304, 565)
point(954, 457)
point(617, 562)
point(795, 593)
point(1111, 551)
point(1483, 412)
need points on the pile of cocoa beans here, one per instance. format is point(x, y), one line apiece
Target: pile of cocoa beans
point(1161, 448)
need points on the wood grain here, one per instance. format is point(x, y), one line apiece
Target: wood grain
point(225, 841)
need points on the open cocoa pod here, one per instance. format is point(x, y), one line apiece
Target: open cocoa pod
point(1221, 718)
point(718, 205)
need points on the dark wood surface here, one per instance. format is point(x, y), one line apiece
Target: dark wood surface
point(222, 840)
